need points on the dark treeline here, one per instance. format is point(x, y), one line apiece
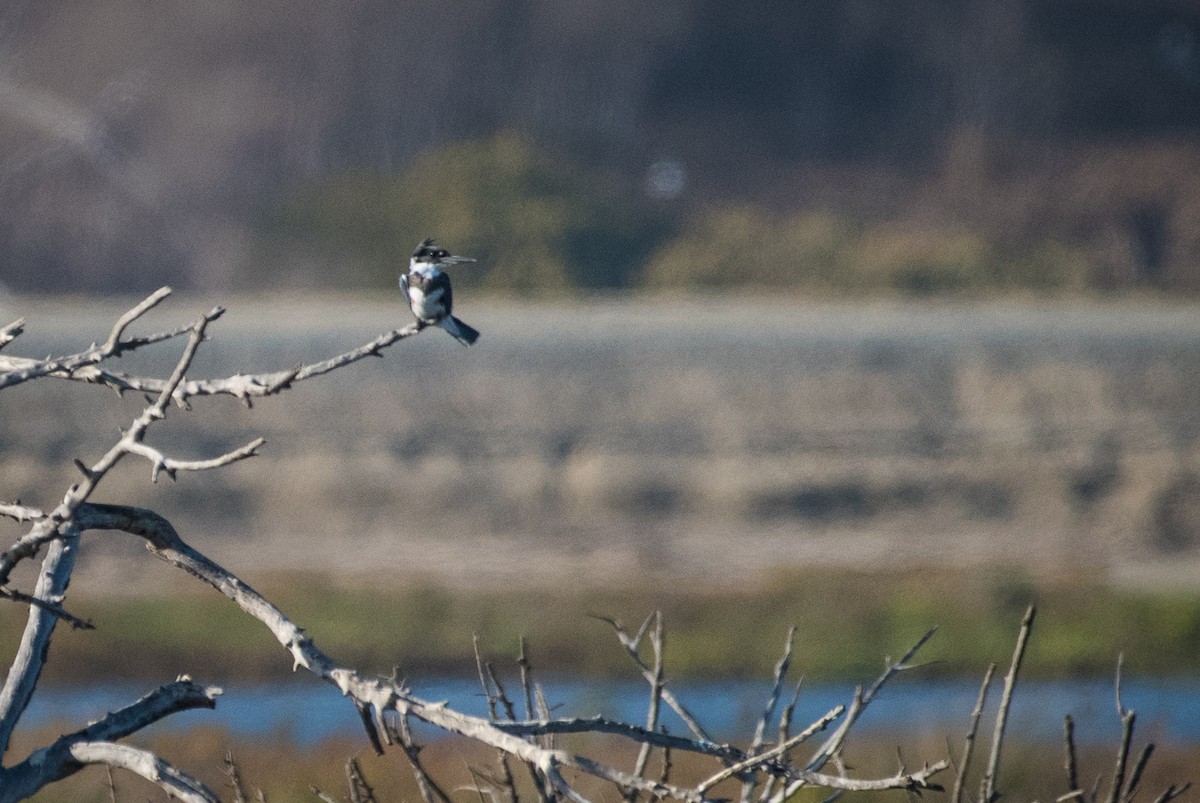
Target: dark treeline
point(148, 144)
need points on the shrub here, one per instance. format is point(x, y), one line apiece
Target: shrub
point(535, 223)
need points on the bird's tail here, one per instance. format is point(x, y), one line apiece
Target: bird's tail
point(461, 331)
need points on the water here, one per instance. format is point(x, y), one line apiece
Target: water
point(306, 712)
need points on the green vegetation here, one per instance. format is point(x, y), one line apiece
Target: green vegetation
point(539, 223)
point(821, 252)
point(533, 222)
point(847, 622)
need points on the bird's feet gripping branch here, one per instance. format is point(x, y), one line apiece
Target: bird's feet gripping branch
point(427, 289)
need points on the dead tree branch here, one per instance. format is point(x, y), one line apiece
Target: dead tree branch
point(384, 705)
point(387, 695)
point(987, 792)
point(94, 745)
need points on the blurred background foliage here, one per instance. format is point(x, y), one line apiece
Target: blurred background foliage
point(847, 146)
point(538, 223)
point(533, 222)
point(851, 619)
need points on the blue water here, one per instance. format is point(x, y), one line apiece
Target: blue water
point(306, 711)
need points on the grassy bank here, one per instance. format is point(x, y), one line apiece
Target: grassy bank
point(847, 622)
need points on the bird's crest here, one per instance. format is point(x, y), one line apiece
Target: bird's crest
point(428, 249)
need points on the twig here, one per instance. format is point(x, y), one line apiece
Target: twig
point(1135, 777)
point(760, 730)
point(1172, 792)
point(785, 725)
point(630, 645)
point(49, 607)
point(11, 332)
point(759, 759)
point(18, 370)
point(20, 512)
point(1070, 760)
point(322, 796)
point(430, 791)
point(48, 528)
point(656, 687)
point(1118, 781)
point(360, 790)
point(969, 742)
point(860, 702)
point(987, 792)
point(541, 781)
point(234, 776)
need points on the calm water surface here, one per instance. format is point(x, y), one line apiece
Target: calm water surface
point(307, 711)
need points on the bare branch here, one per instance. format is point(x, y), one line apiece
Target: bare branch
point(987, 792)
point(656, 687)
point(1071, 764)
point(18, 370)
point(323, 796)
point(1172, 792)
point(113, 344)
point(246, 386)
point(67, 753)
point(174, 782)
point(20, 513)
point(656, 738)
point(668, 696)
point(383, 694)
point(57, 610)
point(360, 789)
point(26, 667)
point(1135, 777)
point(234, 775)
point(760, 731)
point(969, 742)
point(759, 759)
point(402, 735)
point(1118, 782)
point(11, 332)
point(384, 704)
point(160, 463)
point(48, 528)
point(861, 701)
point(1121, 709)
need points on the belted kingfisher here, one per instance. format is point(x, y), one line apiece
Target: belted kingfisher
point(427, 290)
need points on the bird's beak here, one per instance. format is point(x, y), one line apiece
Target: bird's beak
point(452, 260)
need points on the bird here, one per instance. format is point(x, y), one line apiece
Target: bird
point(427, 289)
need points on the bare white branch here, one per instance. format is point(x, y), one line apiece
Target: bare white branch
point(113, 344)
point(969, 742)
point(11, 332)
point(161, 463)
point(26, 667)
point(63, 757)
point(631, 649)
point(759, 759)
point(987, 791)
point(383, 694)
point(20, 513)
point(241, 386)
point(14, 371)
point(174, 782)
